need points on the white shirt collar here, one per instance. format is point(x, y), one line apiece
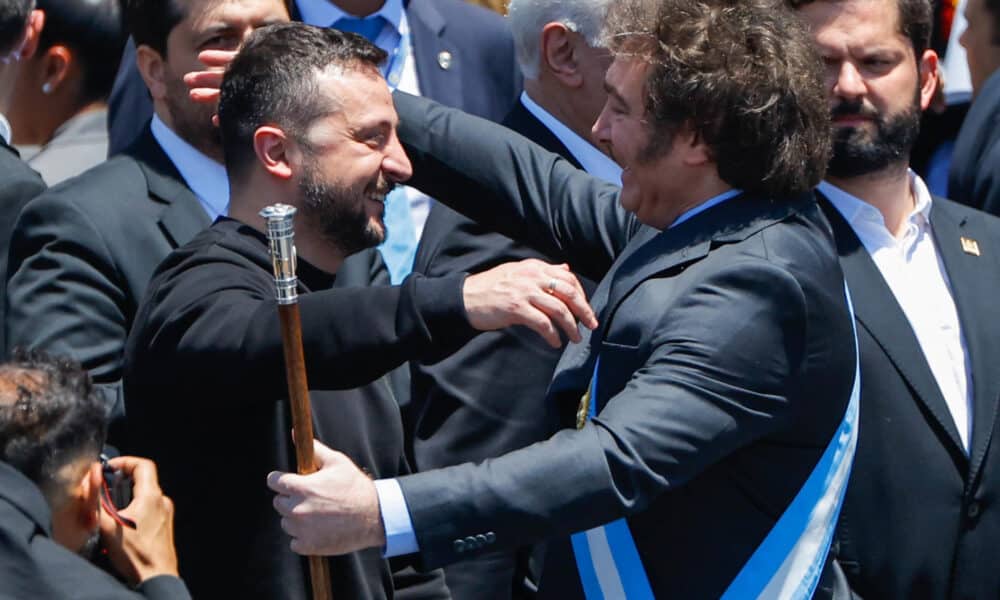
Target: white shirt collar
point(324, 13)
point(855, 210)
point(206, 178)
point(5, 131)
point(714, 201)
point(590, 158)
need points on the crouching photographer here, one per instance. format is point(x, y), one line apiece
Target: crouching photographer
point(56, 505)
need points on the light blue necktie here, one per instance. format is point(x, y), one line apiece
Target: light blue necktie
point(400, 245)
point(369, 28)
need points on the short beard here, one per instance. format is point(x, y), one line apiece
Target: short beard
point(854, 154)
point(339, 212)
point(192, 121)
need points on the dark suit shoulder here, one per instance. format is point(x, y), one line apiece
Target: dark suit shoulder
point(470, 20)
point(106, 188)
point(960, 211)
point(17, 172)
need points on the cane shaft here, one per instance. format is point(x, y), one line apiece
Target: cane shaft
point(298, 395)
point(298, 387)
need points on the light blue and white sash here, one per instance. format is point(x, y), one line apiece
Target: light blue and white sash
point(787, 564)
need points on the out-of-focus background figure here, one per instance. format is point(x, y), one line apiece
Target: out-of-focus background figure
point(975, 169)
point(19, 30)
point(58, 111)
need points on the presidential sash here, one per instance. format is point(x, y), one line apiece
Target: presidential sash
point(787, 564)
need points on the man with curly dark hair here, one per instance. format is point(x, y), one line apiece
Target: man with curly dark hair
point(716, 424)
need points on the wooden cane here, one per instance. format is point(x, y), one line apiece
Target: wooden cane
point(281, 236)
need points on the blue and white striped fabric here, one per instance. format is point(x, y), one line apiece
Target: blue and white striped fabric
point(788, 563)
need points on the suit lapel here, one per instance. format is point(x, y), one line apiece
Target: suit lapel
point(183, 217)
point(733, 220)
point(651, 252)
point(427, 28)
point(876, 309)
point(522, 121)
point(974, 281)
point(576, 364)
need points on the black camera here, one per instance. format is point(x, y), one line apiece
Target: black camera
point(117, 485)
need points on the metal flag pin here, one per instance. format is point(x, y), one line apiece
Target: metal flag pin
point(970, 246)
point(444, 59)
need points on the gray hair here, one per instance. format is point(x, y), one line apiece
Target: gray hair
point(529, 17)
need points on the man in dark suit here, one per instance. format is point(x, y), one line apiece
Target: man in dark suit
point(974, 178)
point(465, 408)
point(53, 513)
point(307, 120)
point(19, 30)
point(917, 520)
point(723, 364)
point(83, 253)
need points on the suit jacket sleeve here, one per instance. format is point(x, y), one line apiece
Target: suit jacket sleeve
point(64, 292)
point(21, 184)
point(716, 380)
point(510, 184)
point(350, 335)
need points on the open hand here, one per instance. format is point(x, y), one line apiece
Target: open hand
point(204, 86)
point(546, 298)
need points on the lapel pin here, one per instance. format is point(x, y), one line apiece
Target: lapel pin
point(444, 59)
point(970, 246)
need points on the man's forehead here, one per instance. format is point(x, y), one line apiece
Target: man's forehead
point(358, 88)
point(625, 73)
point(203, 13)
point(872, 21)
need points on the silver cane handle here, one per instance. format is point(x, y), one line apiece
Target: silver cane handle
point(281, 236)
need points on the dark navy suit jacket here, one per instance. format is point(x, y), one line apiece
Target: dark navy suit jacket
point(974, 178)
point(920, 519)
point(726, 364)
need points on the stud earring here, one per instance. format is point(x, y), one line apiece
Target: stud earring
point(46, 88)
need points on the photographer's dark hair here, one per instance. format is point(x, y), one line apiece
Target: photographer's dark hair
point(51, 415)
point(916, 20)
point(95, 31)
point(13, 20)
point(743, 75)
point(150, 22)
point(273, 80)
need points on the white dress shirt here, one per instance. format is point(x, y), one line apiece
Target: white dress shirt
point(206, 178)
point(912, 268)
point(399, 534)
point(590, 158)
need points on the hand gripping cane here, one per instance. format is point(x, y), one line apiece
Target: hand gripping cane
point(281, 235)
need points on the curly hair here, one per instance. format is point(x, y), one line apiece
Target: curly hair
point(744, 75)
point(51, 415)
